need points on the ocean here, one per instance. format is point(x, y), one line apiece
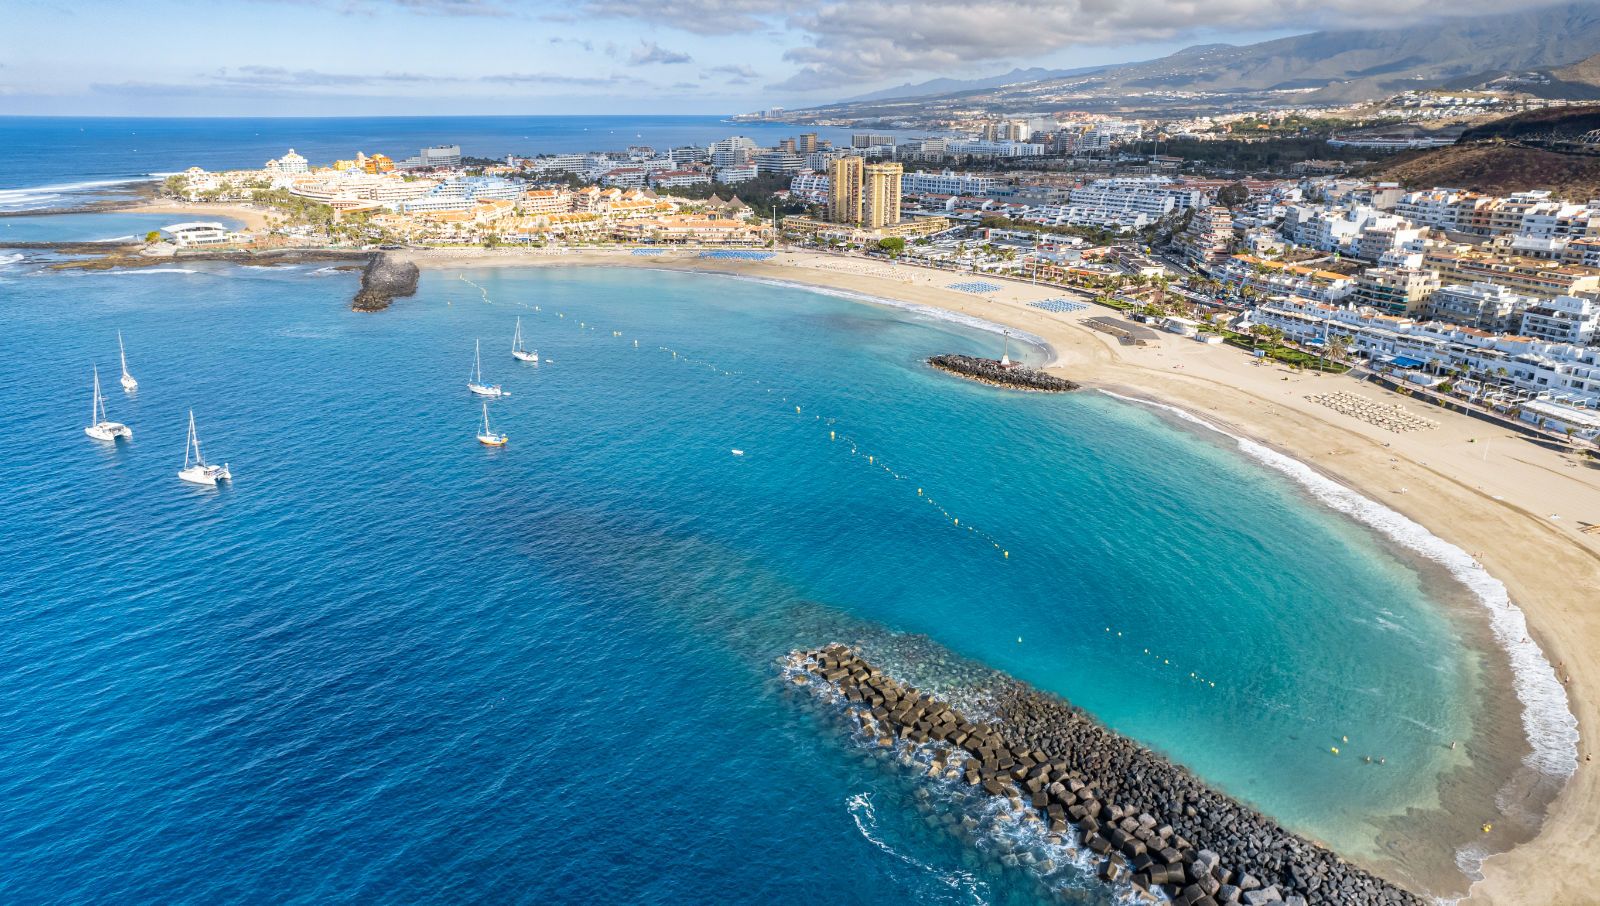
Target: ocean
point(61, 161)
point(388, 663)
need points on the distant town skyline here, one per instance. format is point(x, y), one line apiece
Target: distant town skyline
point(377, 57)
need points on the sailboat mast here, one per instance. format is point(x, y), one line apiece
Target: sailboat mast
point(122, 354)
point(94, 404)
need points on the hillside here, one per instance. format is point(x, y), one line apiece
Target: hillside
point(1557, 124)
point(1496, 168)
point(1552, 45)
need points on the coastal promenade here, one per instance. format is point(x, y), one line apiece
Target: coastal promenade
point(1515, 506)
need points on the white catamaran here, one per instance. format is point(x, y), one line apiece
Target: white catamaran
point(476, 385)
point(195, 470)
point(128, 383)
point(487, 436)
point(100, 427)
point(517, 352)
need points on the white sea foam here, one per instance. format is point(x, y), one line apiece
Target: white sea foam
point(7, 260)
point(151, 270)
point(30, 197)
point(326, 271)
point(866, 819)
point(1547, 719)
point(115, 239)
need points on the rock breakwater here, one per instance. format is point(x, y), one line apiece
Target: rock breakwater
point(1150, 825)
point(385, 279)
point(992, 371)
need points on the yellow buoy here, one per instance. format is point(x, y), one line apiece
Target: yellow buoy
point(831, 435)
point(1333, 749)
point(1487, 827)
point(1008, 555)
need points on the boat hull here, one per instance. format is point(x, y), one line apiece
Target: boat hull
point(129, 384)
point(491, 392)
point(109, 431)
point(526, 357)
point(493, 440)
point(207, 476)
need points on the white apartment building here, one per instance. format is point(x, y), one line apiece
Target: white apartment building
point(678, 178)
point(1486, 306)
point(811, 186)
point(981, 148)
point(1557, 371)
point(741, 173)
point(947, 182)
point(1565, 319)
point(1074, 215)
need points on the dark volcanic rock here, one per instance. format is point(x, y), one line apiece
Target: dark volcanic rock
point(990, 371)
point(1172, 830)
point(385, 279)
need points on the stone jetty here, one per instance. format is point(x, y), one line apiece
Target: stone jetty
point(992, 371)
point(385, 278)
point(1152, 826)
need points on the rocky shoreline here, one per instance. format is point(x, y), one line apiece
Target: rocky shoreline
point(992, 371)
point(385, 278)
point(1151, 825)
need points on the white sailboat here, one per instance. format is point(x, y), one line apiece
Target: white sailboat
point(517, 352)
point(195, 470)
point(100, 427)
point(487, 436)
point(476, 385)
point(128, 383)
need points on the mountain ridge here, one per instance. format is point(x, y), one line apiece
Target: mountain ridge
point(1321, 67)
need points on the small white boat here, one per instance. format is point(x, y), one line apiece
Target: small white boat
point(100, 427)
point(476, 385)
point(128, 383)
point(195, 470)
point(487, 436)
point(517, 352)
point(737, 452)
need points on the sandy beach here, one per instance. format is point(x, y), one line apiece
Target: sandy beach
point(1514, 505)
point(252, 217)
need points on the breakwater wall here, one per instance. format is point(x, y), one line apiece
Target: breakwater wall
point(990, 371)
point(1152, 826)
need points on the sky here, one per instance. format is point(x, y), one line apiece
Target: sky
point(471, 57)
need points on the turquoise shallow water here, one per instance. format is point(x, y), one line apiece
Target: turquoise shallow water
point(390, 663)
point(89, 227)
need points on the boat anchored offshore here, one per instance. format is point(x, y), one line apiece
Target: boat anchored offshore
point(128, 383)
point(517, 352)
point(487, 437)
point(476, 385)
point(100, 427)
point(195, 471)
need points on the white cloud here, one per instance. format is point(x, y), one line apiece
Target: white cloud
point(868, 40)
point(650, 52)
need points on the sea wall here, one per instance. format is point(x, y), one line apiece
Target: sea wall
point(1152, 825)
point(385, 279)
point(990, 371)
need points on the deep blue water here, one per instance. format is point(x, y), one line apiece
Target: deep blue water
point(388, 663)
point(72, 154)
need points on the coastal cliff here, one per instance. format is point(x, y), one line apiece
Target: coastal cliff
point(991, 371)
point(385, 279)
point(1150, 824)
